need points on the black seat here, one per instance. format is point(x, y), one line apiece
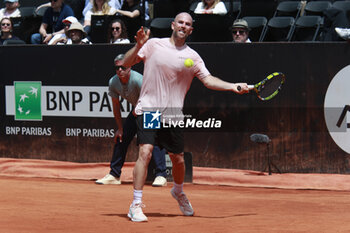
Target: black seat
point(279, 28)
point(161, 27)
point(317, 7)
point(343, 5)
point(27, 11)
point(257, 25)
point(13, 42)
point(288, 8)
point(211, 28)
point(233, 8)
point(99, 28)
point(307, 28)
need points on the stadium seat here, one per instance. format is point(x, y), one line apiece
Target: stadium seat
point(307, 28)
point(257, 25)
point(317, 7)
point(161, 27)
point(343, 5)
point(14, 42)
point(27, 11)
point(288, 8)
point(279, 28)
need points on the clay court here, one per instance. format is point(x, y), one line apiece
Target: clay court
point(31, 202)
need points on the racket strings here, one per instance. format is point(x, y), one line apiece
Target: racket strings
point(270, 87)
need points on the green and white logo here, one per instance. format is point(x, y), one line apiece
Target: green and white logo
point(28, 101)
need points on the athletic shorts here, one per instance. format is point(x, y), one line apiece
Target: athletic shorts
point(172, 139)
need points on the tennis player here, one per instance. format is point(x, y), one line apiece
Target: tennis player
point(165, 84)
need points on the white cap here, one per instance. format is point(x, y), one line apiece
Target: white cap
point(70, 19)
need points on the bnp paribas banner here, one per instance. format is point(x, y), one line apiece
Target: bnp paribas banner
point(31, 101)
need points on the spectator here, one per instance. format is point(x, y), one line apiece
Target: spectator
point(100, 7)
point(6, 30)
point(52, 22)
point(75, 35)
point(240, 31)
point(117, 33)
point(76, 5)
point(211, 7)
point(132, 15)
point(116, 4)
point(59, 37)
point(10, 9)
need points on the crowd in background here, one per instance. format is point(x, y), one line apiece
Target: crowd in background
point(62, 20)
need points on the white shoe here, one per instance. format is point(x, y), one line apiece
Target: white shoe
point(159, 181)
point(109, 179)
point(136, 214)
point(184, 204)
point(343, 33)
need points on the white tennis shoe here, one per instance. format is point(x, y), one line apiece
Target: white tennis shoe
point(136, 213)
point(108, 179)
point(159, 181)
point(184, 204)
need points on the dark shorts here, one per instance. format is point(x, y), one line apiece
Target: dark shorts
point(172, 139)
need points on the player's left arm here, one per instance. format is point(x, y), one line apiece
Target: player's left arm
point(217, 84)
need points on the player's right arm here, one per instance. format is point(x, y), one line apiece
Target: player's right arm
point(131, 57)
point(118, 119)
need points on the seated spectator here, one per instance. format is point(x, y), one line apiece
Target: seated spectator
point(6, 30)
point(211, 7)
point(116, 4)
point(75, 35)
point(100, 7)
point(10, 9)
point(240, 31)
point(76, 5)
point(52, 22)
point(58, 37)
point(117, 33)
point(132, 13)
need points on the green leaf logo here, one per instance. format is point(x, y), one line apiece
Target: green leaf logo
point(28, 101)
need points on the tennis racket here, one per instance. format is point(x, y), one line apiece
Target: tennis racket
point(269, 87)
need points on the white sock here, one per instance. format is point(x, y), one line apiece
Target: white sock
point(178, 187)
point(137, 197)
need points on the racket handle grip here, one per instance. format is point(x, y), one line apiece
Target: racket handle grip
point(250, 87)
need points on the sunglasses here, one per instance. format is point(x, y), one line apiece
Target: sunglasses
point(53, 0)
point(240, 32)
point(119, 67)
point(67, 24)
point(6, 24)
point(116, 28)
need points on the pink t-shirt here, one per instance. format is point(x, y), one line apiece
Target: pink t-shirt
point(166, 79)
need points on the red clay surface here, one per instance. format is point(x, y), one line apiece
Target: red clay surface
point(61, 205)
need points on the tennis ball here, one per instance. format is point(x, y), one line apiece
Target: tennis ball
point(188, 62)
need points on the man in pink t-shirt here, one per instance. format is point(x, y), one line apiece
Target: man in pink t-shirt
point(166, 81)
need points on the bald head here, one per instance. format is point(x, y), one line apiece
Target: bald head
point(184, 16)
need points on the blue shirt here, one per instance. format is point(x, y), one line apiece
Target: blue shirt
point(129, 91)
point(54, 19)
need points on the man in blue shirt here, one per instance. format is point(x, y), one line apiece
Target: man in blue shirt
point(127, 84)
point(52, 22)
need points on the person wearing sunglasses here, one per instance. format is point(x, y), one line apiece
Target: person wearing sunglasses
point(126, 83)
point(10, 9)
point(6, 30)
point(61, 37)
point(211, 7)
point(52, 22)
point(240, 31)
point(117, 33)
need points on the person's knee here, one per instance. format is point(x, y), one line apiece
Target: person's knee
point(177, 158)
point(145, 154)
